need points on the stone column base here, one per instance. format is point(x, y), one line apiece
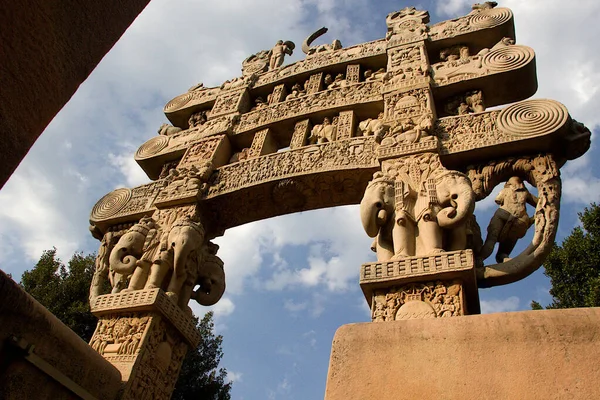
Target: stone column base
point(550, 354)
point(146, 336)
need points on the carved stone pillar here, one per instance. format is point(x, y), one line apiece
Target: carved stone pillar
point(278, 95)
point(346, 124)
point(314, 84)
point(353, 73)
point(146, 336)
point(301, 132)
point(263, 143)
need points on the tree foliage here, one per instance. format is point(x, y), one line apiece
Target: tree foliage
point(64, 291)
point(574, 266)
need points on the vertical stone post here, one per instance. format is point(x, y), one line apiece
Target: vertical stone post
point(346, 124)
point(146, 336)
point(263, 143)
point(301, 132)
point(353, 73)
point(314, 84)
point(278, 95)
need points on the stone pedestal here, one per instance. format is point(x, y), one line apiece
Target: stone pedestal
point(439, 285)
point(550, 354)
point(146, 336)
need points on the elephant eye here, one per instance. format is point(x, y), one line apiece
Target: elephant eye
point(378, 204)
point(454, 196)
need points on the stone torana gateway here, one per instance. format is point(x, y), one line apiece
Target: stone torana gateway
point(399, 125)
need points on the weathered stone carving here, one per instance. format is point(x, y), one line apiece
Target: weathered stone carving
point(352, 94)
point(479, 18)
point(278, 52)
point(168, 130)
point(469, 102)
point(416, 207)
point(372, 127)
point(510, 222)
point(406, 26)
point(325, 132)
point(256, 63)
point(308, 50)
point(428, 300)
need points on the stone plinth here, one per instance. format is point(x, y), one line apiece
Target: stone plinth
point(439, 285)
point(551, 354)
point(41, 358)
point(146, 336)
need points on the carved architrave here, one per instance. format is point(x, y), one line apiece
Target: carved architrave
point(319, 60)
point(301, 131)
point(314, 84)
point(278, 94)
point(476, 20)
point(353, 73)
point(364, 92)
point(194, 97)
point(346, 124)
point(125, 204)
point(341, 154)
point(237, 101)
point(496, 61)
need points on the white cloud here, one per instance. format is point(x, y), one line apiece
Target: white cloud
point(234, 376)
point(452, 8)
point(493, 306)
point(292, 306)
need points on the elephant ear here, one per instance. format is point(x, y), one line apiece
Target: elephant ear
point(212, 282)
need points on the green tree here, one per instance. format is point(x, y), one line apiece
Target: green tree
point(64, 291)
point(574, 266)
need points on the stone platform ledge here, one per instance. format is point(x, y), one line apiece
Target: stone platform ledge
point(550, 354)
point(445, 266)
point(148, 300)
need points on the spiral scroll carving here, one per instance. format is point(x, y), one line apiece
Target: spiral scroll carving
point(507, 58)
point(152, 147)
point(490, 18)
point(110, 204)
point(532, 117)
point(178, 102)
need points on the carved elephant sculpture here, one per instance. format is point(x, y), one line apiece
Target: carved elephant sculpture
point(126, 254)
point(407, 223)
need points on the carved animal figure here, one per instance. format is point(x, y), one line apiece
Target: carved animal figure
point(168, 130)
point(406, 223)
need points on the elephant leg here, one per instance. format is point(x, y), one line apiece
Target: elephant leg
point(431, 236)
point(384, 248)
point(458, 238)
point(158, 272)
point(119, 281)
point(403, 236)
point(139, 276)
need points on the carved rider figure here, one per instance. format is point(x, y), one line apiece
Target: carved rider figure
point(323, 133)
point(510, 222)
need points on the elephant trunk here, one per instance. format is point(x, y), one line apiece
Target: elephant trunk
point(462, 204)
point(211, 280)
point(122, 262)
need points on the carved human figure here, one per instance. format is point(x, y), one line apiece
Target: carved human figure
point(488, 5)
point(323, 133)
point(379, 312)
point(296, 91)
point(278, 53)
point(197, 119)
point(102, 264)
point(407, 131)
point(510, 221)
point(338, 82)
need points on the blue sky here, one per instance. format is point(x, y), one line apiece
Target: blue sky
point(292, 281)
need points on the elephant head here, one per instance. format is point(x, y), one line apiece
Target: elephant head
point(377, 204)
point(456, 197)
point(184, 239)
point(377, 214)
point(211, 279)
point(128, 250)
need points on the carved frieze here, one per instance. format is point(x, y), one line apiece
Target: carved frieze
point(342, 154)
point(407, 104)
point(364, 92)
point(320, 60)
point(418, 301)
point(237, 101)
